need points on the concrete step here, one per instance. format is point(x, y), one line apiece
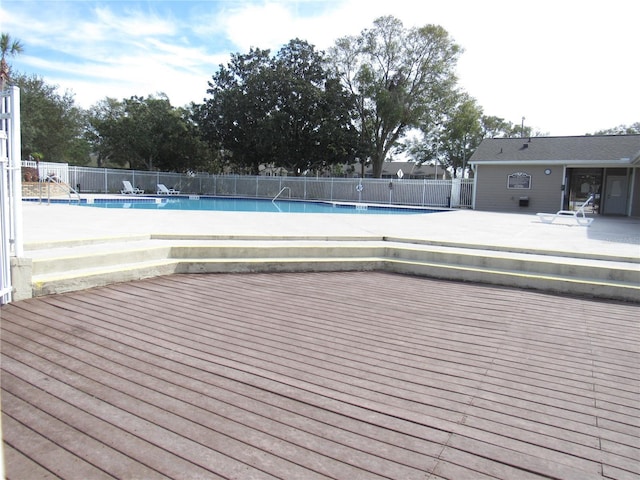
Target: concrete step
point(555, 265)
point(560, 284)
point(73, 267)
point(81, 279)
point(81, 259)
point(67, 259)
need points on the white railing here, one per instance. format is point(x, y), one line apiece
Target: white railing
point(455, 193)
point(10, 188)
point(57, 171)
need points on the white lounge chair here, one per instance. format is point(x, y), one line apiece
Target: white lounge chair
point(578, 215)
point(129, 189)
point(162, 190)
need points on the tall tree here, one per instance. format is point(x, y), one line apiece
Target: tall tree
point(458, 134)
point(311, 114)
point(234, 120)
point(51, 124)
point(101, 133)
point(282, 110)
point(454, 141)
point(462, 134)
point(146, 133)
point(402, 78)
point(9, 48)
point(148, 127)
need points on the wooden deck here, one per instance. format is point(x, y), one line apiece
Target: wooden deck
point(319, 375)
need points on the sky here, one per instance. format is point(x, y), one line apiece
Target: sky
point(568, 67)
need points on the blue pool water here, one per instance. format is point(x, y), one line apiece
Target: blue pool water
point(248, 205)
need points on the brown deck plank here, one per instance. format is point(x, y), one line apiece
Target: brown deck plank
point(139, 372)
point(235, 432)
point(196, 426)
point(128, 444)
point(225, 389)
point(566, 432)
point(25, 467)
point(76, 442)
point(45, 452)
point(312, 375)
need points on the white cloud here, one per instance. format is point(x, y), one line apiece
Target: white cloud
point(134, 23)
point(569, 67)
point(263, 26)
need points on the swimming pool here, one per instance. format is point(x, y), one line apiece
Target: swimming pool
point(249, 205)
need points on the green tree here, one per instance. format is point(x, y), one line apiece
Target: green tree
point(401, 78)
point(234, 120)
point(146, 133)
point(462, 134)
point(8, 48)
point(101, 133)
point(450, 145)
point(496, 127)
point(311, 115)
point(51, 124)
point(459, 133)
point(283, 110)
point(191, 150)
point(633, 129)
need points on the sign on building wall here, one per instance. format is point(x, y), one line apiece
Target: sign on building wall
point(519, 181)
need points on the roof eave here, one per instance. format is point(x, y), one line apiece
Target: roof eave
point(591, 163)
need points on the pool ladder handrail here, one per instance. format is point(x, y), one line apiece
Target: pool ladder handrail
point(280, 193)
point(51, 179)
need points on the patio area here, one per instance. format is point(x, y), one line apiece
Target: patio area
point(617, 237)
point(352, 375)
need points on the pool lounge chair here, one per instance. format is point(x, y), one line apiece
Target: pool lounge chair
point(162, 190)
point(129, 189)
point(577, 215)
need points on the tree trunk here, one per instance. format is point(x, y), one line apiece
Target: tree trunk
point(378, 162)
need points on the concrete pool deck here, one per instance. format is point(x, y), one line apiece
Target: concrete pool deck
point(487, 238)
point(607, 236)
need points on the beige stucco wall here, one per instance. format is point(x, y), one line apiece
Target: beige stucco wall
point(492, 194)
point(44, 189)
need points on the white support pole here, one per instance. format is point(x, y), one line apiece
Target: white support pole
point(5, 216)
point(15, 163)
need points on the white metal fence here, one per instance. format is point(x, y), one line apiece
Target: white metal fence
point(10, 188)
point(428, 193)
point(59, 171)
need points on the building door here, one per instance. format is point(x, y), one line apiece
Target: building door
point(583, 182)
point(615, 195)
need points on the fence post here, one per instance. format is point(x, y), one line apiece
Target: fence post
point(456, 185)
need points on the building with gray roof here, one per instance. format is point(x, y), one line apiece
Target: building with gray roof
point(546, 174)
